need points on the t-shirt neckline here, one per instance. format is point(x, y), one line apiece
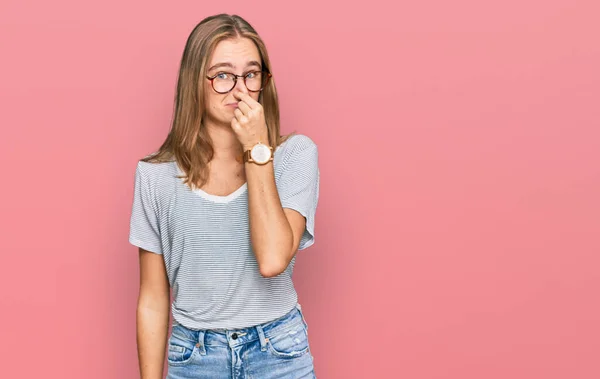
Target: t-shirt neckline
point(222, 198)
point(214, 198)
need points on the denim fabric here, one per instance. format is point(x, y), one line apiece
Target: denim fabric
point(276, 349)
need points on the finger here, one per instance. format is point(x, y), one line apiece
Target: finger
point(243, 107)
point(242, 119)
point(235, 125)
point(238, 113)
point(247, 99)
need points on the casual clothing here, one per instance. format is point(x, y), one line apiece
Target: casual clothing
point(277, 349)
point(205, 240)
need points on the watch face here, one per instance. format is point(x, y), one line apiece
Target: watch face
point(260, 153)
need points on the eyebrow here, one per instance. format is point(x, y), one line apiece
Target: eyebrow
point(227, 64)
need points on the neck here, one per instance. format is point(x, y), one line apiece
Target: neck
point(225, 143)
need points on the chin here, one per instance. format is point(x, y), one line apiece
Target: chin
point(227, 120)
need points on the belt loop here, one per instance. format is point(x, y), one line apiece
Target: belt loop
point(201, 340)
point(261, 337)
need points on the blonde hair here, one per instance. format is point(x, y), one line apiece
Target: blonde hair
point(188, 142)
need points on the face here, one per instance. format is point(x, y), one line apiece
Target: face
point(239, 56)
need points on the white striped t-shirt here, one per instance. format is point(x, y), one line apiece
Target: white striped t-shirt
point(205, 240)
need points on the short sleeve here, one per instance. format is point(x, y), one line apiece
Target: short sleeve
point(298, 185)
point(143, 226)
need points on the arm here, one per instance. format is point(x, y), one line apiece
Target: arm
point(152, 315)
point(275, 231)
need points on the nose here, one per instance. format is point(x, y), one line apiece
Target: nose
point(240, 85)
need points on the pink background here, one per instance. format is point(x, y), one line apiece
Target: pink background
point(458, 224)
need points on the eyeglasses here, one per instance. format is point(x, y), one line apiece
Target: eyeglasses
point(224, 82)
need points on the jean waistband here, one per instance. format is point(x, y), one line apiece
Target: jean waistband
point(233, 337)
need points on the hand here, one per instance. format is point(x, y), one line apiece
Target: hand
point(249, 121)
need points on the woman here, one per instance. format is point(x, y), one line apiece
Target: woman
point(219, 212)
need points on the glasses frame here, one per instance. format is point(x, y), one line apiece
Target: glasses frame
point(263, 71)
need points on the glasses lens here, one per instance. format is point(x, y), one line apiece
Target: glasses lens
point(223, 82)
point(255, 81)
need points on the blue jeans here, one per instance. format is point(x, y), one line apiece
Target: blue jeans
point(276, 349)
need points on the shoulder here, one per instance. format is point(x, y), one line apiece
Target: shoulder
point(299, 141)
point(295, 145)
point(155, 173)
point(297, 156)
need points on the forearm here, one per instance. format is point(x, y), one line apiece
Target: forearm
point(152, 334)
point(270, 230)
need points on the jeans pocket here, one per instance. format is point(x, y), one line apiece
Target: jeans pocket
point(290, 342)
point(180, 349)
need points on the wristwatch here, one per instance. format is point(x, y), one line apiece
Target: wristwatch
point(260, 154)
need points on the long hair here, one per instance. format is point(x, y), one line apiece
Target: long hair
point(188, 142)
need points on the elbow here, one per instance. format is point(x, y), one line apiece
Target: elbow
point(154, 298)
point(274, 262)
point(272, 267)
point(149, 301)
point(271, 270)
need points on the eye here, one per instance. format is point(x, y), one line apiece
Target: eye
point(251, 74)
point(222, 75)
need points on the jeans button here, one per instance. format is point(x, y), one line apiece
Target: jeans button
point(234, 336)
